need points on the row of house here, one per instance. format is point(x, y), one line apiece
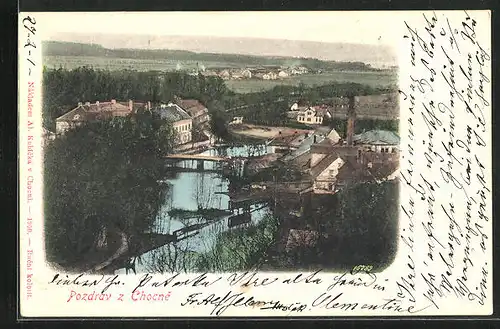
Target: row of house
point(256, 73)
point(381, 107)
point(184, 114)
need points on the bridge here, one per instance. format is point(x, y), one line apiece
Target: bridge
point(197, 157)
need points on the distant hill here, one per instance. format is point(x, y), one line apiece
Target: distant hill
point(58, 48)
point(376, 55)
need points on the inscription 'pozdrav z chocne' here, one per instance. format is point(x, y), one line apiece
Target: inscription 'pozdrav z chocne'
point(446, 166)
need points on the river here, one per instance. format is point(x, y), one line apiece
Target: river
point(190, 191)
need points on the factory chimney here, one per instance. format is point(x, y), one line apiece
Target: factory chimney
point(351, 117)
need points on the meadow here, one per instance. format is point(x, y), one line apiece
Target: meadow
point(114, 63)
point(371, 78)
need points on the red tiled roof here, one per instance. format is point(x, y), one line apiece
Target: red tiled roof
point(192, 106)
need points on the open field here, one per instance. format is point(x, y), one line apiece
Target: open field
point(113, 63)
point(371, 78)
point(374, 79)
point(263, 132)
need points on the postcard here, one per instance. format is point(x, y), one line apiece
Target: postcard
point(255, 164)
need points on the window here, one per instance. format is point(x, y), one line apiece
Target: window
point(331, 172)
point(308, 119)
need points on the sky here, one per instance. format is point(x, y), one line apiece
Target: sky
point(349, 27)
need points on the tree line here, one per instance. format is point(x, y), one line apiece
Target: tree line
point(57, 48)
point(63, 89)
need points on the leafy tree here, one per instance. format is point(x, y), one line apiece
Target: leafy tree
point(103, 175)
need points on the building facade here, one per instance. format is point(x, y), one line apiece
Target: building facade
point(87, 112)
point(310, 116)
point(196, 110)
point(181, 121)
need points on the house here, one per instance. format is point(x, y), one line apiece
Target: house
point(381, 141)
point(370, 156)
point(301, 155)
point(237, 76)
point(210, 73)
point(197, 111)
point(324, 173)
point(224, 74)
point(283, 74)
point(299, 70)
point(272, 75)
point(288, 142)
point(310, 116)
point(302, 69)
point(333, 166)
point(294, 107)
point(180, 119)
point(323, 110)
point(333, 136)
point(236, 121)
point(246, 73)
point(96, 111)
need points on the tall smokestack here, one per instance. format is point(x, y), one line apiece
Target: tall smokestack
point(351, 117)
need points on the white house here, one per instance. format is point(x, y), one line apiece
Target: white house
point(246, 73)
point(283, 74)
point(237, 120)
point(310, 116)
point(325, 173)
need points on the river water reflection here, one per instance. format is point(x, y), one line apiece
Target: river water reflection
point(191, 191)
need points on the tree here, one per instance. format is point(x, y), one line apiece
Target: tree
point(102, 175)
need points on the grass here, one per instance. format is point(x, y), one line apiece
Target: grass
point(113, 63)
point(373, 79)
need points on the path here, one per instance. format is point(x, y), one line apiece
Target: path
point(118, 253)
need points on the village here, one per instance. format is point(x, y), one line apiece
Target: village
point(323, 160)
point(327, 160)
point(259, 73)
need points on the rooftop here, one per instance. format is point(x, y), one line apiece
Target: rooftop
point(323, 164)
point(305, 146)
point(192, 106)
point(171, 112)
point(377, 137)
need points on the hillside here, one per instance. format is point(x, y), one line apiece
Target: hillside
point(72, 49)
point(377, 55)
